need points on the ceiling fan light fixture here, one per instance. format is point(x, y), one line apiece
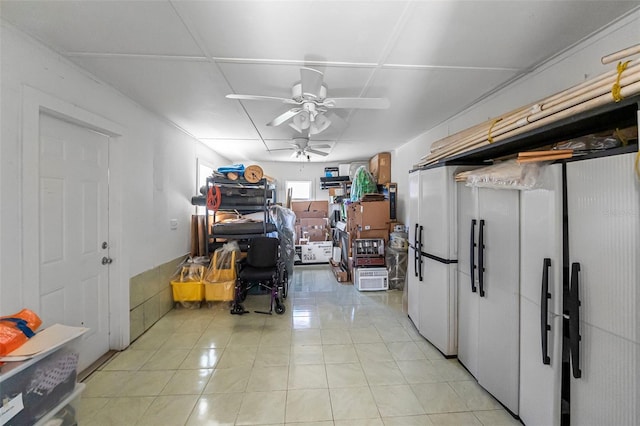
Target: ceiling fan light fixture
point(320, 124)
point(302, 121)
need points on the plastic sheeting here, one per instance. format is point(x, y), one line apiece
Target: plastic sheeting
point(396, 260)
point(508, 175)
point(363, 183)
point(285, 219)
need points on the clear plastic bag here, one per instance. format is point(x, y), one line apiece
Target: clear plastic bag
point(363, 183)
point(508, 175)
point(223, 264)
point(285, 219)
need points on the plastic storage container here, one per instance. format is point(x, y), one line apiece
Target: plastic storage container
point(37, 388)
point(66, 413)
point(220, 279)
point(188, 286)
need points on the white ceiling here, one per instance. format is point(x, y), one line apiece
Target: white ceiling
point(431, 59)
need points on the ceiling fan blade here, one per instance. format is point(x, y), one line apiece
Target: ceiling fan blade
point(311, 81)
point(313, 151)
point(284, 117)
point(366, 103)
point(281, 149)
point(261, 98)
point(322, 146)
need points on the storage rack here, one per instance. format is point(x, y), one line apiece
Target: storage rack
point(238, 196)
point(327, 182)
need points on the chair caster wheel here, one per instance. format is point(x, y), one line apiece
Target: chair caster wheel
point(238, 310)
point(280, 309)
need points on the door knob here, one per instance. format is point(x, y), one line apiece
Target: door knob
point(107, 260)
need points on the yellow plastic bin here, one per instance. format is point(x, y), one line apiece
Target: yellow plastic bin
point(219, 292)
point(219, 282)
point(188, 287)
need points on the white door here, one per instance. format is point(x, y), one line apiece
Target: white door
point(499, 315)
point(603, 202)
point(413, 290)
point(73, 231)
point(467, 286)
point(540, 239)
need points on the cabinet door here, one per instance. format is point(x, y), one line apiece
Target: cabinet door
point(413, 299)
point(413, 289)
point(539, 383)
point(603, 201)
point(499, 317)
point(540, 239)
point(467, 298)
point(437, 212)
point(437, 305)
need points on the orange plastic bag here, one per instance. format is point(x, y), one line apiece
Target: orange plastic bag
point(16, 329)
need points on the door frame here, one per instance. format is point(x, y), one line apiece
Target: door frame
point(35, 102)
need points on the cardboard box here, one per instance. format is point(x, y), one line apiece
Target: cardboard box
point(336, 192)
point(309, 206)
point(369, 215)
point(313, 252)
point(312, 229)
point(341, 276)
point(380, 167)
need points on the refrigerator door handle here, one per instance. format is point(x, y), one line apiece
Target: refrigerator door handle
point(544, 311)
point(416, 251)
point(420, 255)
point(472, 257)
point(481, 258)
point(574, 320)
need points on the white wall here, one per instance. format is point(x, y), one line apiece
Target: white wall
point(157, 164)
point(582, 62)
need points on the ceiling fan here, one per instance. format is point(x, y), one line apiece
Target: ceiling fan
point(302, 148)
point(309, 97)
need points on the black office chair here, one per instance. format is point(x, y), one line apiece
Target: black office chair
point(263, 268)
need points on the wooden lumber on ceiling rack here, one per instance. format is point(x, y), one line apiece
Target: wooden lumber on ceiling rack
point(583, 97)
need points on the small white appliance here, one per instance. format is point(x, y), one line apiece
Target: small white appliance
point(371, 279)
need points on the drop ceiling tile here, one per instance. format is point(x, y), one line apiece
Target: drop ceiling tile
point(278, 79)
point(188, 93)
point(499, 34)
point(342, 31)
point(238, 150)
point(132, 27)
point(420, 99)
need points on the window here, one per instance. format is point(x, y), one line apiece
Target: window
point(300, 189)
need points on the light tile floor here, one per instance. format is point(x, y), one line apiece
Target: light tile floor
point(336, 357)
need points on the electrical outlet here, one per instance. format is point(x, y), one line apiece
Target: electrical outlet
point(173, 224)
